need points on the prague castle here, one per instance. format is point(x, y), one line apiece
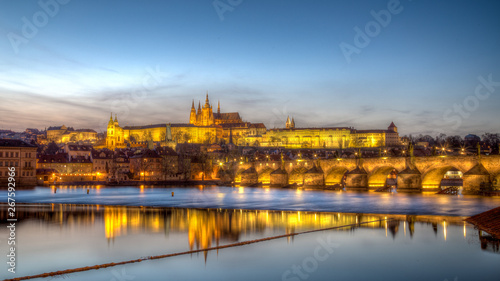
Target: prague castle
point(207, 127)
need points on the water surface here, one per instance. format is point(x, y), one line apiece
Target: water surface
point(404, 247)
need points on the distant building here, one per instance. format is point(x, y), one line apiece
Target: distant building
point(22, 156)
point(63, 134)
point(208, 127)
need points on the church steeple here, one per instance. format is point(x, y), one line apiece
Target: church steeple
point(116, 118)
point(207, 103)
point(218, 107)
point(292, 125)
point(199, 107)
point(192, 115)
point(110, 119)
point(287, 125)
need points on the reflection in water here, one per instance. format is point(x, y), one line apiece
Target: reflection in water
point(206, 227)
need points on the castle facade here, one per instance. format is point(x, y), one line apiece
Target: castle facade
point(208, 127)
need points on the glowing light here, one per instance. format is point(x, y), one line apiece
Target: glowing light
point(444, 230)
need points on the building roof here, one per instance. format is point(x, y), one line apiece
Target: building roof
point(57, 158)
point(77, 147)
point(86, 130)
point(488, 221)
point(373, 131)
point(228, 116)
point(311, 128)
point(257, 125)
point(80, 159)
point(392, 125)
point(145, 127)
point(14, 143)
point(102, 154)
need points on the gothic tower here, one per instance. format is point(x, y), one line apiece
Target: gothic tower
point(192, 116)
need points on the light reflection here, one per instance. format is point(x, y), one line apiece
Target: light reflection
point(444, 230)
point(208, 227)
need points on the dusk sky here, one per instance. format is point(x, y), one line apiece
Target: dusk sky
point(432, 67)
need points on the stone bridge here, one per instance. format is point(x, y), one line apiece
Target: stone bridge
point(407, 173)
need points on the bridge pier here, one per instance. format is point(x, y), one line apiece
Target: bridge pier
point(357, 179)
point(279, 178)
point(409, 180)
point(314, 177)
point(474, 178)
point(249, 176)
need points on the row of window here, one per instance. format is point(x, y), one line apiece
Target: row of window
point(6, 153)
point(13, 154)
point(24, 173)
point(10, 164)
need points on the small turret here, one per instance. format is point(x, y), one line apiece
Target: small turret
point(116, 119)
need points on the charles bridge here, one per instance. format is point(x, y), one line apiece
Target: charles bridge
point(407, 173)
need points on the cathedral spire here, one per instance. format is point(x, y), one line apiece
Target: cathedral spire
point(116, 118)
point(110, 119)
point(218, 107)
point(192, 105)
point(207, 103)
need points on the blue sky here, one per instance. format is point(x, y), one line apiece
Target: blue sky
point(264, 59)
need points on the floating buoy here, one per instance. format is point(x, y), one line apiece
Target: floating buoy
point(87, 191)
point(172, 194)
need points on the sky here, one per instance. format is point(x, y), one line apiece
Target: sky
point(430, 66)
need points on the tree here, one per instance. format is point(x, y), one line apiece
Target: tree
point(52, 148)
point(177, 136)
point(209, 138)
point(492, 141)
point(454, 141)
point(168, 165)
point(186, 137)
point(148, 136)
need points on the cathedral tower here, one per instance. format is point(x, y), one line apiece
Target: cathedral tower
point(192, 116)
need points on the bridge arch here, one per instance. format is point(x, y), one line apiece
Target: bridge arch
point(265, 175)
point(432, 179)
point(335, 175)
point(237, 177)
point(379, 177)
point(297, 175)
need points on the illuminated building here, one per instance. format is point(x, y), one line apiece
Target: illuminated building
point(63, 134)
point(22, 156)
point(208, 127)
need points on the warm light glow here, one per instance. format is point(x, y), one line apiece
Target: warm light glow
point(444, 230)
